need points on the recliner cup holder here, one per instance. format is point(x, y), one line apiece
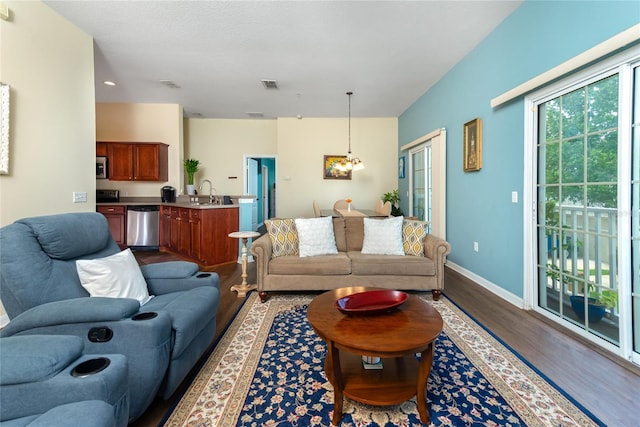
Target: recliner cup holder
point(90, 367)
point(145, 316)
point(202, 275)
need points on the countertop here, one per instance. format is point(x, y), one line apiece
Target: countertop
point(179, 205)
point(181, 202)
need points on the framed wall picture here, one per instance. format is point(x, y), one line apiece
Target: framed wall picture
point(331, 169)
point(4, 128)
point(472, 146)
point(401, 166)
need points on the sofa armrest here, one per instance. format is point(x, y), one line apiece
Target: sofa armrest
point(77, 310)
point(169, 270)
point(261, 249)
point(437, 249)
point(176, 276)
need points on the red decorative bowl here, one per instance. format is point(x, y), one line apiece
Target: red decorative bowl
point(371, 302)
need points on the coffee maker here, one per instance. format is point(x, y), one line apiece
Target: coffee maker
point(168, 194)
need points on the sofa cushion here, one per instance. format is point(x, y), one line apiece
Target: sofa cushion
point(413, 234)
point(69, 236)
point(338, 264)
point(383, 236)
point(115, 276)
point(190, 311)
point(401, 265)
point(315, 236)
point(340, 233)
point(354, 228)
point(283, 235)
point(31, 358)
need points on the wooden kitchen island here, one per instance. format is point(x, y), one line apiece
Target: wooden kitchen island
point(200, 232)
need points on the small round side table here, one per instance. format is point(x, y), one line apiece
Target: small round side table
point(243, 288)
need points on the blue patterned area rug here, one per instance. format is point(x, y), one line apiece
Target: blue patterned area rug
point(267, 370)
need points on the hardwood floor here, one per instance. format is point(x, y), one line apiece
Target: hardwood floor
point(603, 383)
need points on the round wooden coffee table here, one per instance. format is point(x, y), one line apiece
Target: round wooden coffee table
point(394, 336)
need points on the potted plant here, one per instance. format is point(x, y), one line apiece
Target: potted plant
point(598, 303)
point(394, 198)
point(191, 167)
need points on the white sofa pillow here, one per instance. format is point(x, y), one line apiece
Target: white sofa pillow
point(315, 236)
point(115, 276)
point(383, 236)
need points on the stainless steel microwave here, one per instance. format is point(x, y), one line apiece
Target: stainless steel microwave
point(101, 168)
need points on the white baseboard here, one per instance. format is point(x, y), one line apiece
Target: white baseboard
point(490, 286)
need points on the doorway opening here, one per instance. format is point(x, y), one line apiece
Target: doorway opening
point(260, 180)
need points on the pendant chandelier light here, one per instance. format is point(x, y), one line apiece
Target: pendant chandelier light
point(350, 163)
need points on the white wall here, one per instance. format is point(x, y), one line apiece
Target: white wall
point(49, 64)
point(219, 145)
point(142, 123)
point(299, 147)
point(302, 145)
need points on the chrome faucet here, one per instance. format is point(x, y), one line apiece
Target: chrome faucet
point(210, 189)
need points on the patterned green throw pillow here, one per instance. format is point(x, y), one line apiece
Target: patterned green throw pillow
point(413, 234)
point(284, 236)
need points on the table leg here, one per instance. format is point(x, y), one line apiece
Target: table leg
point(243, 288)
point(423, 376)
point(334, 375)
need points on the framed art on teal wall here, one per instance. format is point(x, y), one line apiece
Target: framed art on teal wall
point(472, 146)
point(401, 166)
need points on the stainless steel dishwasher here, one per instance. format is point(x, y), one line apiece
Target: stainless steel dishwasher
point(143, 226)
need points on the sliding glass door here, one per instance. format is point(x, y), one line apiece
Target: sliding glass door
point(587, 226)
point(427, 193)
point(420, 164)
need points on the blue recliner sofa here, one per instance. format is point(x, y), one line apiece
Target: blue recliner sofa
point(46, 380)
point(42, 294)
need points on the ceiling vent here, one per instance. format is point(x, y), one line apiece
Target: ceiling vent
point(270, 84)
point(169, 84)
point(256, 115)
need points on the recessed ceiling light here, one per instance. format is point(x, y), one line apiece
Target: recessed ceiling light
point(109, 83)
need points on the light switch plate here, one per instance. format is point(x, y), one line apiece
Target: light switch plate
point(79, 197)
point(514, 197)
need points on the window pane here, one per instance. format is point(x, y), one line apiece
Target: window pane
point(602, 196)
point(573, 113)
point(602, 157)
point(603, 104)
point(550, 162)
point(573, 161)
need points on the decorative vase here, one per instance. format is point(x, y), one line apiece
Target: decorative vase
point(191, 189)
point(348, 207)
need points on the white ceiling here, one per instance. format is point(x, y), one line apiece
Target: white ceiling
point(387, 52)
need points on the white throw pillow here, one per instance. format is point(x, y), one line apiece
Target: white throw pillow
point(383, 236)
point(115, 276)
point(315, 236)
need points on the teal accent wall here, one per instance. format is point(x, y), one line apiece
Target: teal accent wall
point(536, 37)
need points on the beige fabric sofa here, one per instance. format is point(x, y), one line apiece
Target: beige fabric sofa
point(350, 267)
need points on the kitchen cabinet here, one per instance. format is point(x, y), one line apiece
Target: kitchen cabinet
point(165, 226)
point(200, 234)
point(137, 161)
point(101, 149)
point(117, 219)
